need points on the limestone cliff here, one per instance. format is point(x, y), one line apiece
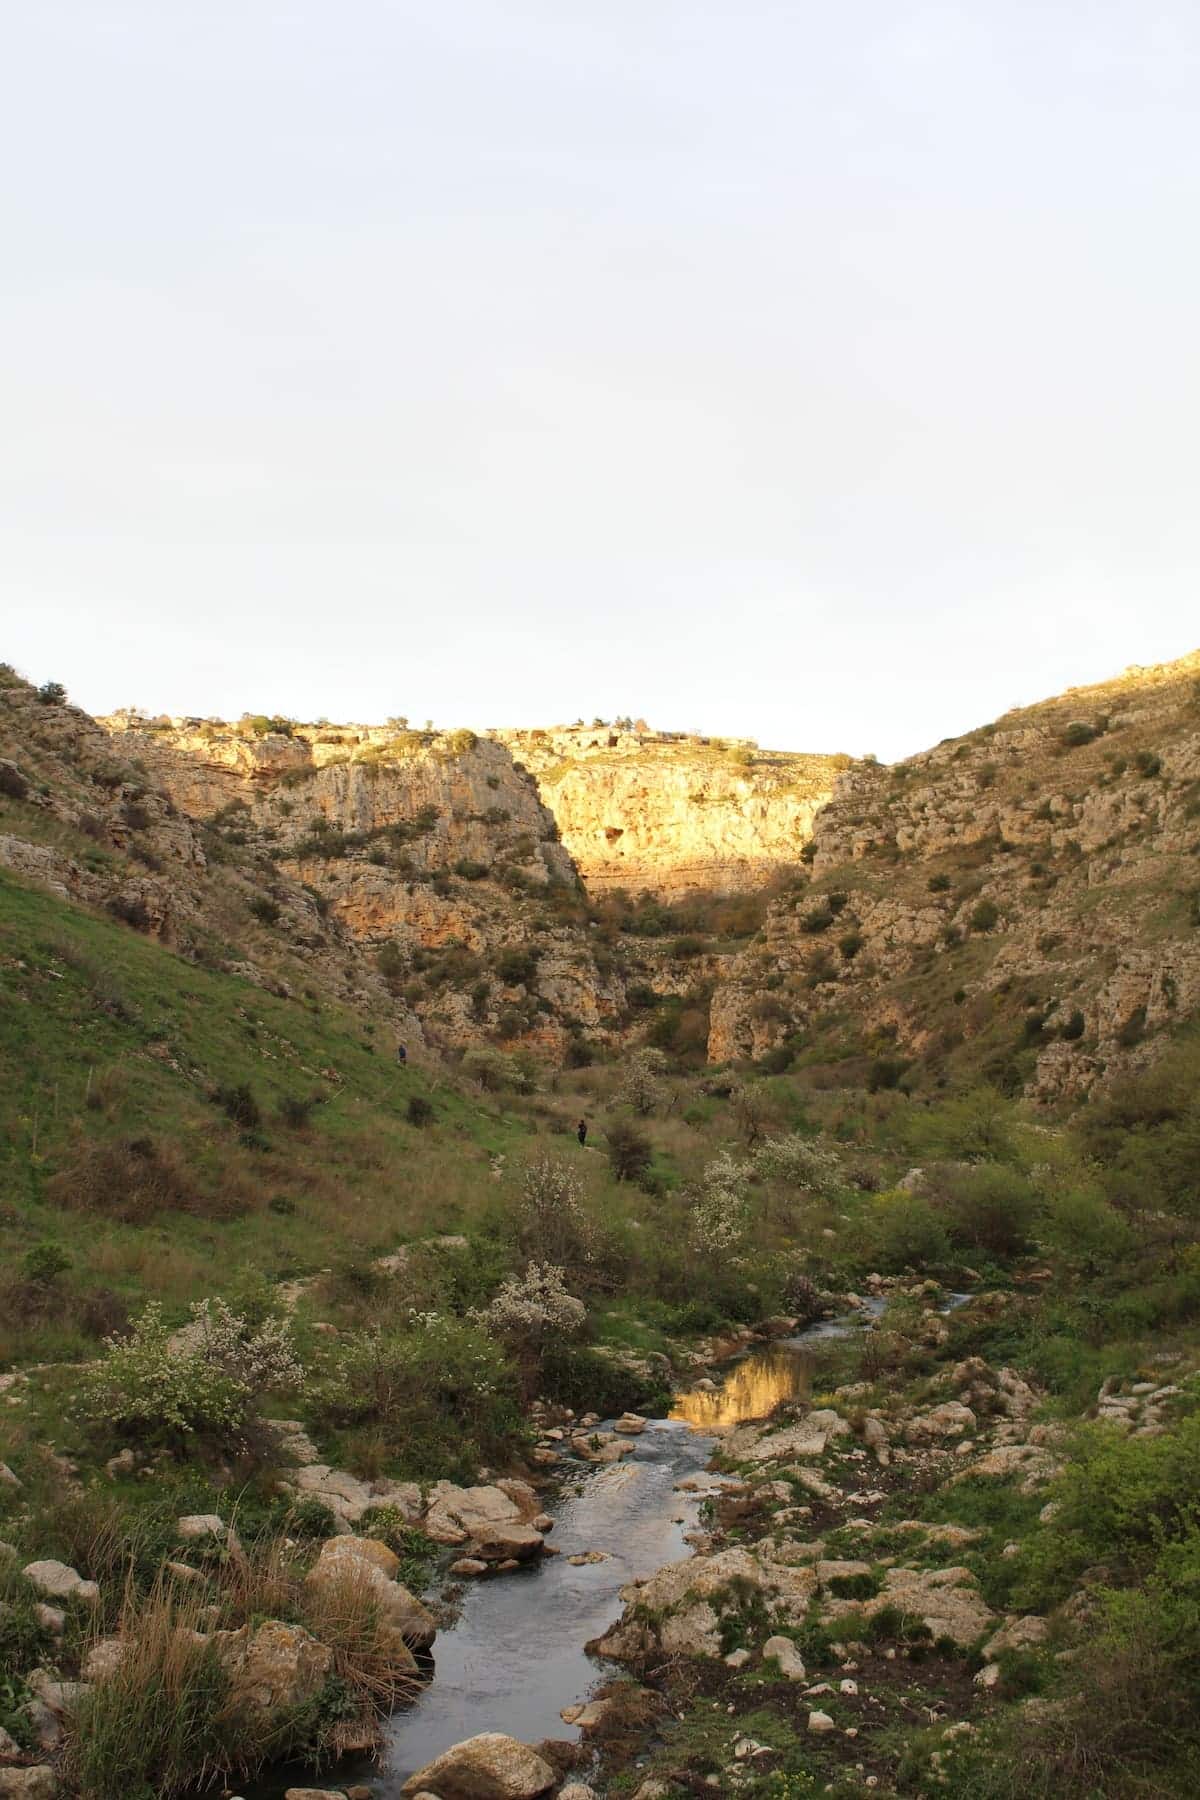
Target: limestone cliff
point(671, 814)
point(1024, 901)
point(432, 849)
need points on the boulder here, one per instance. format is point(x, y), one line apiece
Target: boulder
point(820, 1722)
point(946, 1601)
point(204, 1528)
point(785, 1653)
point(59, 1582)
point(1016, 1634)
point(679, 1610)
point(37, 1783)
point(274, 1668)
point(367, 1564)
point(950, 1420)
point(490, 1766)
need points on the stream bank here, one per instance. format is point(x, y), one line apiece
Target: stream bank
point(513, 1657)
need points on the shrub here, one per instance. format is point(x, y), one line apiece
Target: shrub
point(438, 1397)
point(297, 1111)
point(551, 1221)
point(1078, 733)
point(799, 1162)
point(239, 1104)
point(907, 1232)
point(470, 870)
point(992, 1208)
point(850, 944)
point(629, 1151)
point(530, 1311)
point(1084, 1233)
point(719, 1205)
point(885, 1072)
point(51, 693)
point(13, 784)
point(517, 968)
point(419, 1110)
point(642, 1086)
point(820, 918)
point(205, 1383)
point(129, 1179)
point(984, 916)
point(43, 1263)
point(1073, 1027)
point(266, 910)
point(130, 910)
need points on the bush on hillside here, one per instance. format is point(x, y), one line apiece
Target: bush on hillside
point(642, 1088)
point(131, 1179)
point(630, 1152)
point(52, 693)
point(205, 1383)
point(436, 1397)
point(990, 1208)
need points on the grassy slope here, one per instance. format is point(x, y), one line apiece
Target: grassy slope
point(105, 1036)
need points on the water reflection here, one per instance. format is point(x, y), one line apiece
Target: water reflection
point(751, 1390)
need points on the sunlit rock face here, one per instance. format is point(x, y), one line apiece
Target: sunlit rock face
point(674, 814)
point(1019, 901)
point(752, 1390)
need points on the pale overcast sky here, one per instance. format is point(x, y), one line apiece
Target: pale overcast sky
point(822, 373)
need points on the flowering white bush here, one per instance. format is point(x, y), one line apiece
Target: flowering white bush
point(206, 1380)
point(719, 1209)
point(642, 1087)
point(529, 1308)
point(554, 1226)
point(799, 1162)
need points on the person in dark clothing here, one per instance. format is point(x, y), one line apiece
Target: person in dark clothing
point(581, 1131)
point(402, 1054)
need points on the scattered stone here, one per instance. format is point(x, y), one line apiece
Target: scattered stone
point(588, 1556)
point(1016, 1634)
point(820, 1721)
point(489, 1766)
point(37, 1783)
point(206, 1528)
point(586, 1715)
point(7, 1478)
point(59, 1582)
point(468, 1565)
point(51, 1618)
point(785, 1653)
point(737, 1659)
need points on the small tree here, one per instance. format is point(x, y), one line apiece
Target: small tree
point(719, 1205)
point(204, 1382)
point(553, 1225)
point(52, 693)
point(528, 1314)
point(629, 1151)
point(642, 1087)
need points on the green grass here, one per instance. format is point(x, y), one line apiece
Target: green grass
point(107, 1038)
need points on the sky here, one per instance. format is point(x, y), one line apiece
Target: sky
point(825, 374)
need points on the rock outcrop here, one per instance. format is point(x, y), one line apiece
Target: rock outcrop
point(987, 904)
point(671, 813)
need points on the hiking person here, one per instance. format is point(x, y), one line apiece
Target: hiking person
point(402, 1054)
point(581, 1131)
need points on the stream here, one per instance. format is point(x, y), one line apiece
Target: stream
point(514, 1657)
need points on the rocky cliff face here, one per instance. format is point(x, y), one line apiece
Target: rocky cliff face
point(671, 815)
point(1024, 900)
point(432, 850)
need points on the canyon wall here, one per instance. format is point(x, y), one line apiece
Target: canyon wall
point(673, 815)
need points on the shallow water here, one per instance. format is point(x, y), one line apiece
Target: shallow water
point(514, 1657)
